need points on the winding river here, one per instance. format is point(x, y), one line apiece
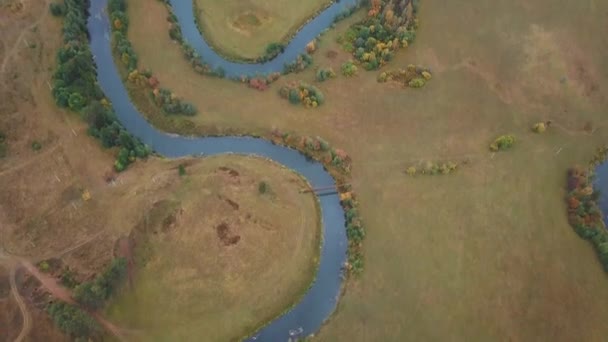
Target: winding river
point(185, 15)
point(307, 316)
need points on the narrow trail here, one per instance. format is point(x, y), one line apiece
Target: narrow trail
point(27, 319)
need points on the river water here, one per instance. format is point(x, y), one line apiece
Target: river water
point(185, 15)
point(307, 316)
point(601, 184)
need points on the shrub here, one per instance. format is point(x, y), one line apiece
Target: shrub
point(181, 170)
point(411, 171)
point(308, 95)
point(417, 83)
point(94, 293)
point(36, 146)
point(504, 142)
point(299, 64)
point(325, 74)
point(73, 321)
point(57, 9)
point(67, 278)
point(44, 266)
point(263, 187)
point(539, 127)
point(349, 69)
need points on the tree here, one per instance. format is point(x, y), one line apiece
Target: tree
point(76, 102)
point(57, 9)
point(72, 320)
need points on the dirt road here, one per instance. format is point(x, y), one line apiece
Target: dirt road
point(27, 319)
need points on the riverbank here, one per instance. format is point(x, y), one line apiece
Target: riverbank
point(242, 33)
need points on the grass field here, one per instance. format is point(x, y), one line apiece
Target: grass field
point(243, 29)
point(485, 253)
point(229, 259)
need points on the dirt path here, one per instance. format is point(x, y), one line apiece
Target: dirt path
point(64, 294)
point(27, 319)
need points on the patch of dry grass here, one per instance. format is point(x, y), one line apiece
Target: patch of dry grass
point(243, 29)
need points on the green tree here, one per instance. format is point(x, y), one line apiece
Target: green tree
point(57, 9)
point(76, 102)
point(72, 320)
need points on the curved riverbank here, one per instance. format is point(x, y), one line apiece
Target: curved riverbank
point(262, 57)
point(183, 10)
point(321, 299)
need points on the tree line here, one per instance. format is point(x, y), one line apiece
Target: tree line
point(75, 87)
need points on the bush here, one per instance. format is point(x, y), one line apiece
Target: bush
point(308, 95)
point(349, 69)
point(417, 83)
point(539, 127)
point(325, 74)
point(73, 321)
point(504, 142)
point(181, 170)
point(263, 187)
point(36, 146)
point(57, 9)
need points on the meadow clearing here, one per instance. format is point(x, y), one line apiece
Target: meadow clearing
point(217, 262)
point(485, 253)
point(243, 29)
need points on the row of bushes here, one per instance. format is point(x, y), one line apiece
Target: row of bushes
point(584, 213)
point(388, 27)
point(93, 294)
point(338, 163)
point(302, 62)
point(432, 168)
point(302, 93)
point(413, 76)
point(355, 232)
point(260, 82)
point(164, 98)
point(503, 142)
point(75, 86)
